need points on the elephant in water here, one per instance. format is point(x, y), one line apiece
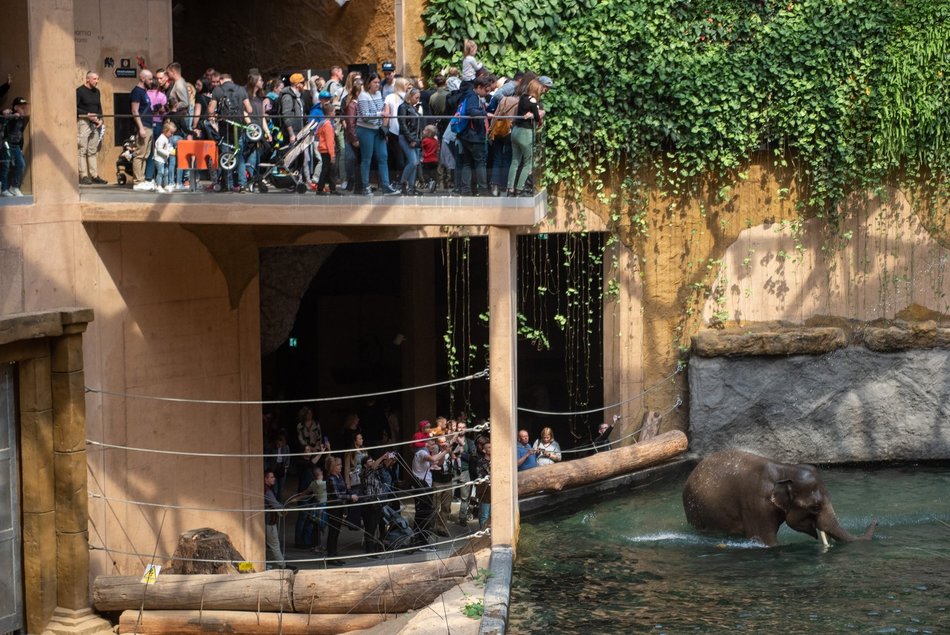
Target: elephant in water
point(746, 494)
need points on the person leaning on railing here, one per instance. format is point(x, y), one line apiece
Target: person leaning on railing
point(522, 138)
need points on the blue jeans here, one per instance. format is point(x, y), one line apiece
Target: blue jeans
point(373, 144)
point(4, 166)
point(484, 513)
point(412, 163)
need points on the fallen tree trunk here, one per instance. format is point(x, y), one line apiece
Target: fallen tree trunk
point(268, 591)
point(385, 589)
point(187, 622)
point(603, 465)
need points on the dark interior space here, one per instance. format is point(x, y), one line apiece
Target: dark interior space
point(347, 335)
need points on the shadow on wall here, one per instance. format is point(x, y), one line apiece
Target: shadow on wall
point(277, 36)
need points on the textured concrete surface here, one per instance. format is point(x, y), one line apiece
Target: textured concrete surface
point(850, 405)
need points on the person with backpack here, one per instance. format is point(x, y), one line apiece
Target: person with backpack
point(469, 125)
point(229, 102)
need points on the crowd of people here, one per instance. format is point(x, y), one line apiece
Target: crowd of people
point(465, 131)
point(13, 122)
point(368, 483)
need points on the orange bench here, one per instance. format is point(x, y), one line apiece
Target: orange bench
point(197, 155)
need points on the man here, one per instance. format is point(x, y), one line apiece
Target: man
point(467, 458)
point(602, 442)
point(14, 124)
point(437, 100)
point(389, 79)
point(177, 97)
point(334, 86)
point(442, 476)
point(527, 457)
point(89, 117)
point(473, 152)
point(423, 462)
point(142, 119)
point(232, 102)
point(275, 555)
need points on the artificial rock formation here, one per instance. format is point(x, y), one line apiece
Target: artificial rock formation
point(852, 404)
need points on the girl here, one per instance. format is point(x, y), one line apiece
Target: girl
point(164, 152)
point(470, 65)
point(430, 156)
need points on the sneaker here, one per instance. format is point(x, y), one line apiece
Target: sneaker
point(391, 191)
point(99, 181)
point(7, 193)
point(169, 188)
point(344, 185)
point(367, 191)
point(144, 186)
point(16, 191)
point(85, 181)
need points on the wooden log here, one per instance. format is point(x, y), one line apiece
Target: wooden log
point(268, 591)
point(384, 589)
point(602, 465)
point(197, 546)
point(650, 426)
point(188, 622)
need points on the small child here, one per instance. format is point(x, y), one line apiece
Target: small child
point(326, 145)
point(470, 65)
point(430, 156)
point(164, 150)
point(318, 488)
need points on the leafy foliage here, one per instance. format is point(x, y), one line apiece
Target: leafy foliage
point(853, 95)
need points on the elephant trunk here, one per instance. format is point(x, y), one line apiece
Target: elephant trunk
point(828, 522)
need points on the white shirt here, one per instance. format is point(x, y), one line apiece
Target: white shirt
point(421, 465)
point(393, 100)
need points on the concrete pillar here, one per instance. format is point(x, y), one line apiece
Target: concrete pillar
point(52, 102)
point(503, 364)
point(73, 614)
point(419, 324)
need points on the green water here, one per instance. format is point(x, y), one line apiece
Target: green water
point(632, 564)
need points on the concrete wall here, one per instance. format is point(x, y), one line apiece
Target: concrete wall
point(15, 62)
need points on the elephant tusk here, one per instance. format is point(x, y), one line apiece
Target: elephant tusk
point(824, 537)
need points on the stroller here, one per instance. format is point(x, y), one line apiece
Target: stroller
point(399, 533)
point(282, 170)
point(123, 165)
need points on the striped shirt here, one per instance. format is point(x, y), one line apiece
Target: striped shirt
point(369, 110)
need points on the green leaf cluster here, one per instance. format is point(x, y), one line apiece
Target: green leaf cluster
point(852, 94)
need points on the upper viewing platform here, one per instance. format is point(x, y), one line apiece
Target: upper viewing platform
point(120, 204)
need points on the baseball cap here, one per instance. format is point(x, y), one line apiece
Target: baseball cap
point(325, 95)
point(389, 66)
point(546, 81)
point(296, 78)
point(20, 101)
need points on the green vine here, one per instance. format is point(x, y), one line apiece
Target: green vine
point(679, 95)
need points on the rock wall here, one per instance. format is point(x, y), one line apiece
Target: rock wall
point(850, 404)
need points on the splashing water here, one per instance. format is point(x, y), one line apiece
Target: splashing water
point(640, 567)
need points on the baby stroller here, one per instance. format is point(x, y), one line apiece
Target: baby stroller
point(282, 169)
point(399, 533)
point(123, 165)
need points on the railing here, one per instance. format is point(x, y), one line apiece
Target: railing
point(234, 153)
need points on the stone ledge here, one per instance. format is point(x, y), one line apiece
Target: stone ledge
point(769, 341)
point(820, 336)
point(27, 326)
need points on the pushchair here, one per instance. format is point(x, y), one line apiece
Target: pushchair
point(399, 533)
point(123, 165)
point(282, 169)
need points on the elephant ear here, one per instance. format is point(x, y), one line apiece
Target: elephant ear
point(782, 495)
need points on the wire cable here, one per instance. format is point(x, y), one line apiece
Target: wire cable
point(588, 448)
point(99, 391)
point(594, 410)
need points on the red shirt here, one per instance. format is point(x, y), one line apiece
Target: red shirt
point(430, 150)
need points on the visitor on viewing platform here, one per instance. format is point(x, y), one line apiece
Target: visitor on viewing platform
point(424, 461)
point(430, 157)
point(141, 107)
point(602, 441)
point(547, 449)
point(326, 146)
point(275, 510)
point(350, 139)
point(527, 456)
point(392, 102)
point(470, 65)
point(387, 83)
point(337, 496)
point(467, 457)
point(14, 123)
point(523, 135)
point(371, 123)
point(472, 138)
point(410, 140)
point(90, 128)
point(483, 490)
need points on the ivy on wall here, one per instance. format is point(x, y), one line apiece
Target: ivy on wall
point(849, 95)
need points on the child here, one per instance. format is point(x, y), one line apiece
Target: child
point(164, 151)
point(317, 517)
point(470, 65)
point(430, 156)
point(326, 145)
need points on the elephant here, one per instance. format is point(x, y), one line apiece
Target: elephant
point(741, 493)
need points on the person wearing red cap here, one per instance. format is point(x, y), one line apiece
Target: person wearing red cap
point(422, 434)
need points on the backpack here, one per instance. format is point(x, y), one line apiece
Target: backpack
point(459, 123)
point(229, 105)
point(500, 127)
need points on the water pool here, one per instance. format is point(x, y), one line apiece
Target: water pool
point(633, 564)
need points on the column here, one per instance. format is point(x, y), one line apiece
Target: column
point(503, 362)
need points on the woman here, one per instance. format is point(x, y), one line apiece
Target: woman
point(393, 101)
point(483, 490)
point(371, 131)
point(337, 496)
point(352, 464)
point(351, 141)
point(308, 429)
point(375, 490)
point(255, 95)
point(522, 138)
point(547, 448)
point(410, 139)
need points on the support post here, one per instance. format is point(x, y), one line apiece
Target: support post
point(503, 364)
